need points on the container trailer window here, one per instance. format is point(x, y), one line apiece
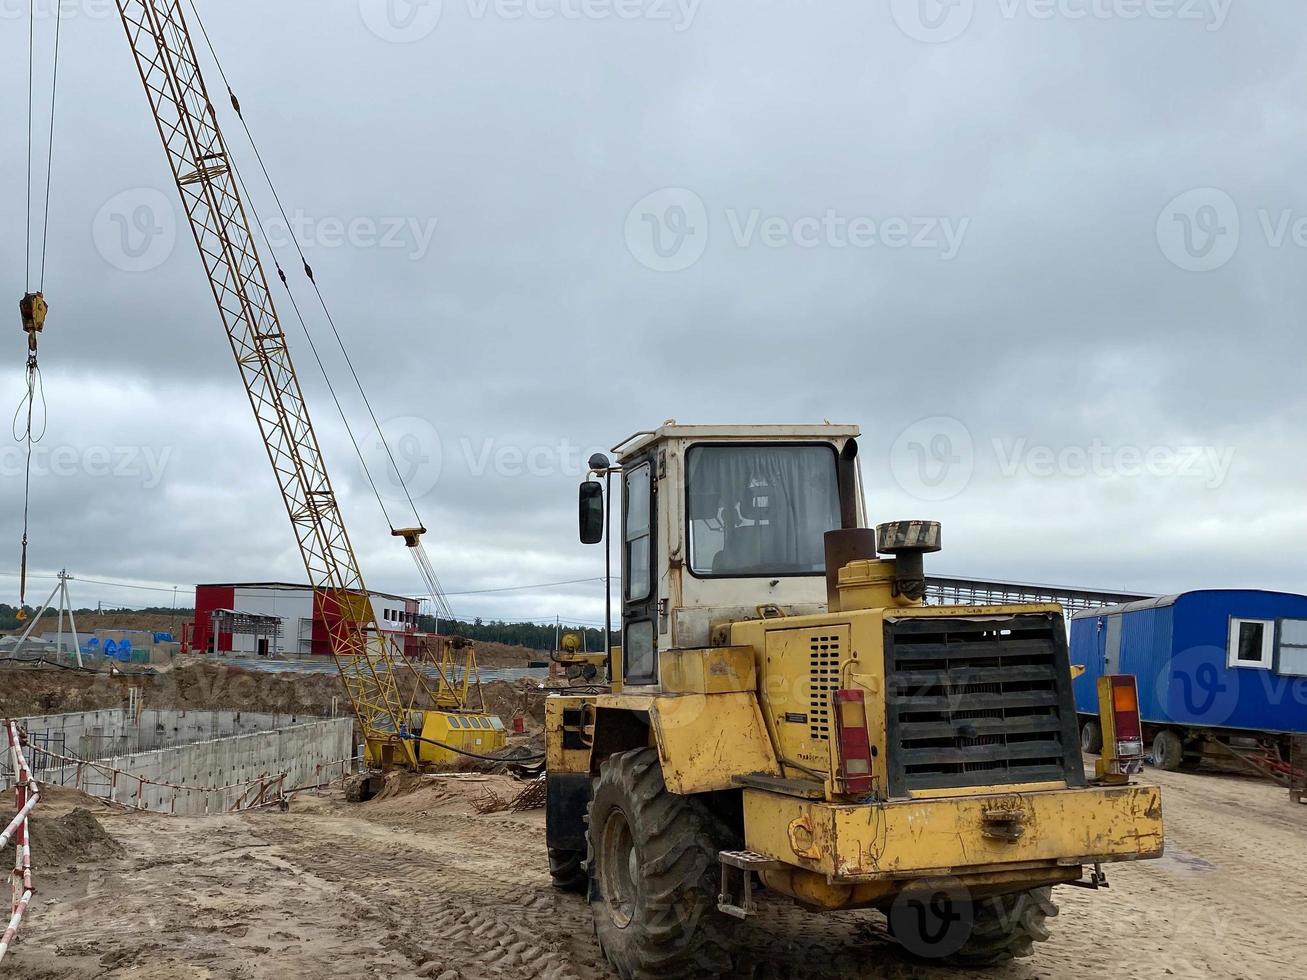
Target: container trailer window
point(1251, 643)
point(1293, 647)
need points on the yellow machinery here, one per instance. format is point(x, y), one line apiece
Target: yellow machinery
point(580, 666)
point(459, 720)
point(787, 715)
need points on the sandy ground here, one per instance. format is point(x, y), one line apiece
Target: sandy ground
point(421, 885)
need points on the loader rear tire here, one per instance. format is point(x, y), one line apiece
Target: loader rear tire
point(655, 875)
point(567, 868)
point(1005, 928)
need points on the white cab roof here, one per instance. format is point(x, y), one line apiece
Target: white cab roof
point(674, 430)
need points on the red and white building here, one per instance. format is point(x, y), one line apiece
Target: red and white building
point(281, 619)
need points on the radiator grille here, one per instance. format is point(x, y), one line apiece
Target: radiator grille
point(978, 702)
point(823, 679)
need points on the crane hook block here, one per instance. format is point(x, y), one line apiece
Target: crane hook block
point(412, 535)
point(33, 309)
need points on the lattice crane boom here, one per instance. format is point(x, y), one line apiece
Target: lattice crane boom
point(197, 154)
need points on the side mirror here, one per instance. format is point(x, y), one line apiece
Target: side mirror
point(592, 512)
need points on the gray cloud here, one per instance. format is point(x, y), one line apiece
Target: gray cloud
point(522, 143)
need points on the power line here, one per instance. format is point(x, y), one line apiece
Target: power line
point(523, 588)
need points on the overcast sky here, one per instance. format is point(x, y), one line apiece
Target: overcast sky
point(1047, 254)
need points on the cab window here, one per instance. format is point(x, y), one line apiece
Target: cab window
point(639, 533)
point(761, 510)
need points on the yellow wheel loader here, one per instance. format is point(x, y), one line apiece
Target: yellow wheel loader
point(787, 717)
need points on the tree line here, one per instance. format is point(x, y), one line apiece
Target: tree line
point(9, 615)
point(534, 636)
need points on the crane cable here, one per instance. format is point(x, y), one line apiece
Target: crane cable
point(422, 560)
point(32, 307)
point(322, 367)
point(308, 269)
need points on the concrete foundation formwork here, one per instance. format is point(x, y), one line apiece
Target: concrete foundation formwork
point(185, 762)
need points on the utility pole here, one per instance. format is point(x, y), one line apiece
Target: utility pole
point(65, 606)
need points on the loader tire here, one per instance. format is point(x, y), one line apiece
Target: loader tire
point(1005, 928)
point(654, 875)
point(567, 868)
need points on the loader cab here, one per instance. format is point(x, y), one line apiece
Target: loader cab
point(717, 524)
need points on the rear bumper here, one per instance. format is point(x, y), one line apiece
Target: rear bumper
point(956, 836)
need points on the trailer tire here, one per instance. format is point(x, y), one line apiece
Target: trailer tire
point(1005, 928)
point(1168, 750)
point(654, 875)
point(1194, 753)
point(1091, 737)
point(567, 869)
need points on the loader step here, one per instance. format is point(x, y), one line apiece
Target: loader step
point(738, 867)
point(750, 861)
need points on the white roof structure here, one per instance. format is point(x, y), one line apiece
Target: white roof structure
point(674, 430)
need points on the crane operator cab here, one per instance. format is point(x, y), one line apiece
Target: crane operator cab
point(723, 523)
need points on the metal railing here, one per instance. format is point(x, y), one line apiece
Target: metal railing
point(26, 795)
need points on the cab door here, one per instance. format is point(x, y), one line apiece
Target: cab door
point(639, 578)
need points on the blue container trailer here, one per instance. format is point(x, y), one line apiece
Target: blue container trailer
point(1212, 664)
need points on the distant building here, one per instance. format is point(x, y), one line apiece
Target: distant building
point(277, 618)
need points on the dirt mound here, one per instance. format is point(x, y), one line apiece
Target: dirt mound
point(211, 686)
point(502, 655)
point(398, 783)
point(67, 839)
point(200, 686)
point(509, 698)
point(410, 798)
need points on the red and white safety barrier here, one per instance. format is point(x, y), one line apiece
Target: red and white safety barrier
point(26, 796)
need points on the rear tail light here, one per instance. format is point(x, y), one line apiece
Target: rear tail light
point(1123, 740)
point(854, 772)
